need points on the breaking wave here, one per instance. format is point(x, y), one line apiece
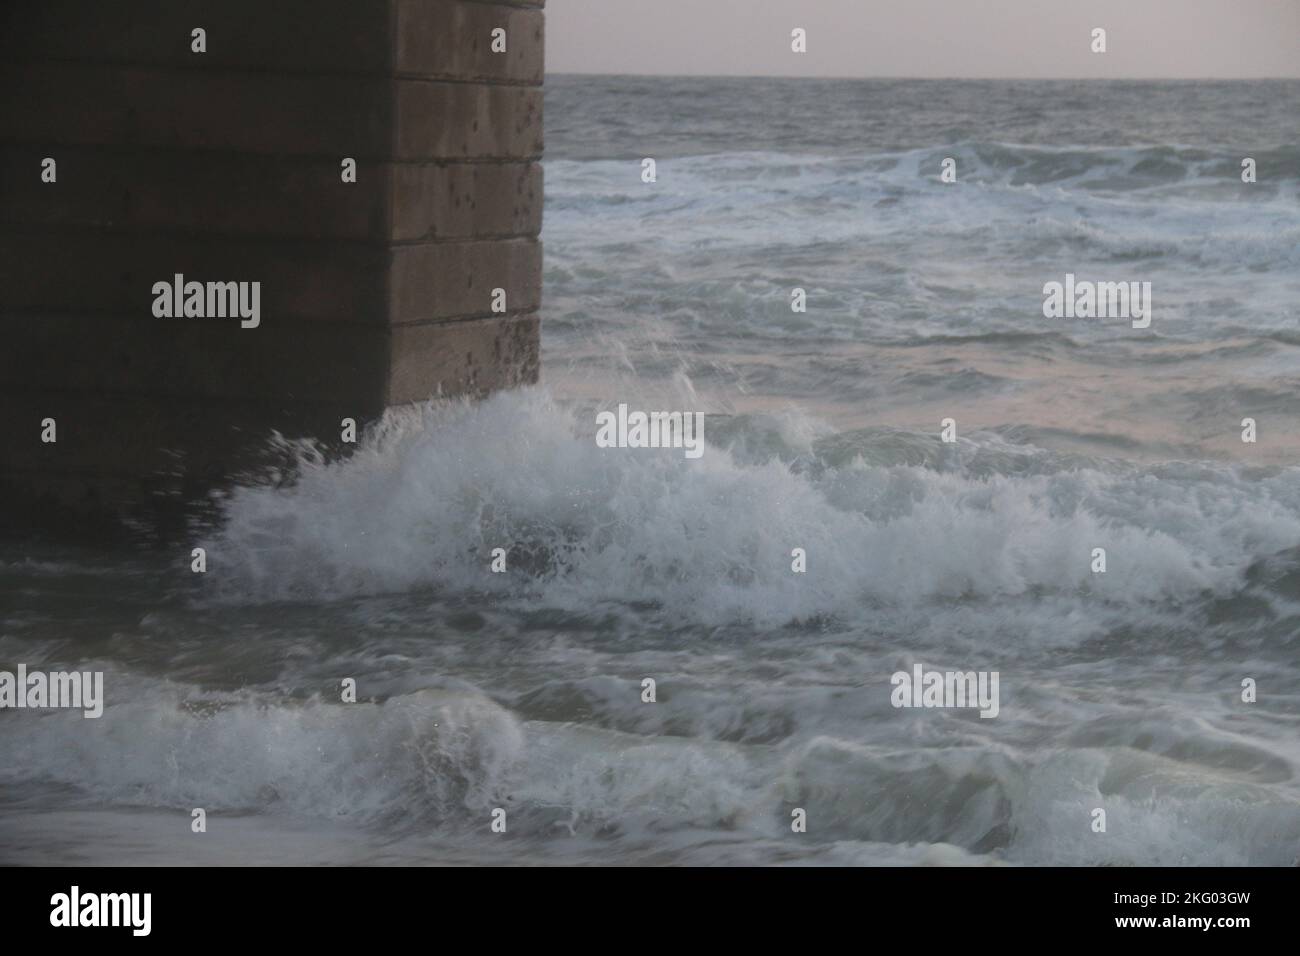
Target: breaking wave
point(886, 518)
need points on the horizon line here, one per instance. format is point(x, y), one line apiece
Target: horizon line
point(937, 79)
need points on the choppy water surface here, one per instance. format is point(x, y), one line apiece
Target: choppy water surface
point(523, 690)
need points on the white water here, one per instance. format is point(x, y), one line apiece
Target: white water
point(522, 690)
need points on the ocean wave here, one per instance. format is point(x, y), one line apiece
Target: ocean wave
point(1097, 168)
point(441, 760)
point(1115, 168)
point(870, 238)
point(886, 518)
point(419, 757)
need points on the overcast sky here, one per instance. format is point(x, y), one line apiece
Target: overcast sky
point(938, 38)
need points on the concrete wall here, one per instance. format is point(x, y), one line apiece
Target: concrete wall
point(225, 165)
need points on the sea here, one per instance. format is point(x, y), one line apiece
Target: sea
point(651, 680)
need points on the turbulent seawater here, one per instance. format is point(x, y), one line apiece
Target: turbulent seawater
point(523, 690)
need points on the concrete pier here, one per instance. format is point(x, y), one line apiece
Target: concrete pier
point(134, 148)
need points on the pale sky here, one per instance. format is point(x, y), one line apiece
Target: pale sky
point(1190, 39)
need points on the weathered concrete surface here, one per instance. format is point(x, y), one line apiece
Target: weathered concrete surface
point(368, 118)
point(476, 356)
point(234, 194)
point(434, 280)
point(447, 38)
point(225, 166)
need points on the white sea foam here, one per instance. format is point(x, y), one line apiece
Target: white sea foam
point(435, 762)
point(522, 690)
point(423, 503)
